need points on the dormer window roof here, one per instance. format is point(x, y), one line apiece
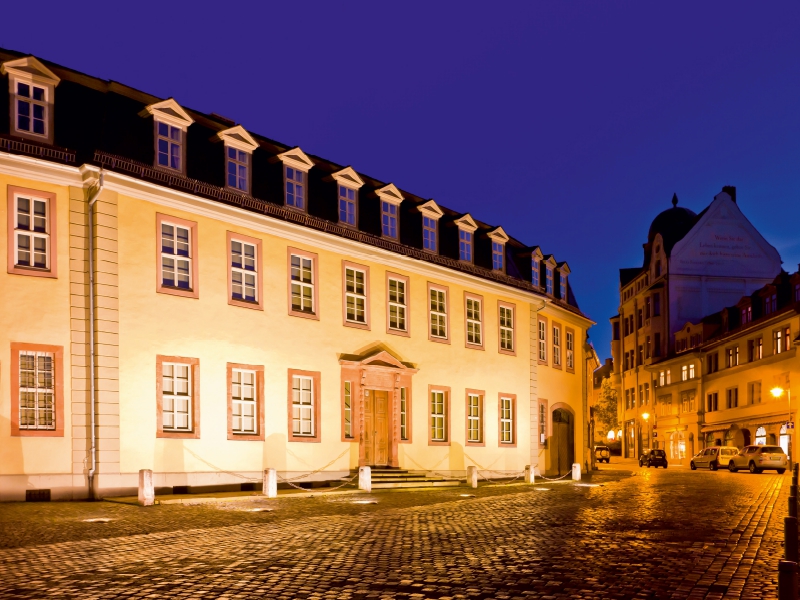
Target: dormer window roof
point(563, 269)
point(549, 269)
point(32, 94)
point(348, 183)
point(239, 147)
point(296, 165)
point(171, 122)
point(536, 266)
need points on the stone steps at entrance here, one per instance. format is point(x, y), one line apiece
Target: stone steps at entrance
point(403, 478)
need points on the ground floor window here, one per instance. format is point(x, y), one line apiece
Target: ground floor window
point(677, 445)
point(761, 437)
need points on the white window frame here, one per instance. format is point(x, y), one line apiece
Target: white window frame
point(535, 272)
point(562, 286)
point(506, 420)
point(390, 220)
point(506, 328)
point(240, 160)
point(171, 143)
point(31, 233)
point(355, 296)
point(348, 199)
point(31, 102)
point(466, 245)
point(430, 234)
point(290, 178)
point(570, 337)
point(437, 309)
point(691, 371)
point(397, 302)
point(403, 414)
point(243, 408)
point(474, 315)
point(543, 341)
point(474, 418)
point(498, 256)
point(348, 410)
point(172, 401)
point(175, 257)
point(39, 399)
point(303, 406)
point(438, 408)
point(243, 272)
point(685, 373)
point(302, 288)
point(556, 346)
point(549, 280)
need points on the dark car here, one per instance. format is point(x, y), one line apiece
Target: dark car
point(653, 458)
point(602, 453)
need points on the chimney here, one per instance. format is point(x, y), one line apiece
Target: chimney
point(730, 190)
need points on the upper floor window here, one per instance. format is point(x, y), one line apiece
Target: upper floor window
point(506, 328)
point(439, 416)
point(31, 108)
point(497, 256)
point(684, 372)
point(429, 241)
point(389, 219)
point(295, 180)
point(169, 146)
point(32, 90)
point(474, 418)
point(176, 256)
point(37, 390)
point(662, 378)
point(781, 339)
point(397, 304)
point(347, 205)
point(542, 341)
point(658, 269)
point(656, 304)
point(355, 295)
point(535, 271)
point(506, 420)
point(713, 362)
point(563, 287)
point(238, 170)
point(32, 226)
point(303, 400)
point(474, 321)
point(647, 307)
point(732, 356)
point(465, 245)
point(302, 284)
point(438, 313)
point(244, 407)
point(244, 271)
point(797, 292)
point(549, 280)
point(570, 350)
point(556, 346)
point(713, 402)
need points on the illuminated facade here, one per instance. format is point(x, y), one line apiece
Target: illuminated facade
point(219, 303)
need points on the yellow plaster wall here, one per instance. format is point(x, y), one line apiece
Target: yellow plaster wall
point(35, 310)
point(214, 332)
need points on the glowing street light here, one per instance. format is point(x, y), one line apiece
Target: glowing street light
point(645, 416)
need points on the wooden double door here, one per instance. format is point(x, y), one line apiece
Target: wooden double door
point(376, 428)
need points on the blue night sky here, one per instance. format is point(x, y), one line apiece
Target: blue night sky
point(569, 124)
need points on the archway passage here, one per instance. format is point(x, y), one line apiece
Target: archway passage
point(563, 453)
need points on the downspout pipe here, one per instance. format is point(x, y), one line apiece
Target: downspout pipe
point(92, 358)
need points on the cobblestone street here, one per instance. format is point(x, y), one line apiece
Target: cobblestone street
point(643, 533)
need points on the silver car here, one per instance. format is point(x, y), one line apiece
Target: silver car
point(713, 458)
point(758, 458)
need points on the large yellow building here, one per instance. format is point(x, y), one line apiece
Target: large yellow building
point(185, 296)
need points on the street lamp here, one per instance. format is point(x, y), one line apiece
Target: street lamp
point(777, 392)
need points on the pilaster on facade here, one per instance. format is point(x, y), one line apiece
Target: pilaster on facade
point(536, 449)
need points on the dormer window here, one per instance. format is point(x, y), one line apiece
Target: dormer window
point(239, 148)
point(536, 268)
point(296, 165)
point(465, 245)
point(347, 184)
point(563, 272)
point(747, 314)
point(499, 239)
point(169, 146)
point(171, 122)
point(238, 170)
point(31, 89)
point(429, 234)
point(549, 280)
point(390, 199)
point(497, 256)
point(563, 287)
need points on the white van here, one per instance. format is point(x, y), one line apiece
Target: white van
point(714, 457)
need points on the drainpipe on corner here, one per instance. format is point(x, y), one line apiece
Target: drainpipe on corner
point(92, 366)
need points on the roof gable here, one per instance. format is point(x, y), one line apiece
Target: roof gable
point(431, 209)
point(31, 68)
point(296, 159)
point(390, 193)
point(467, 223)
point(168, 111)
point(348, 177)
point(238, 138)
point(498, 234)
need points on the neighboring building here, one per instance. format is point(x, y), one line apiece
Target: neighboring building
point(717, 387)
point(694, 265)
point(219, 303)
point(600, 373)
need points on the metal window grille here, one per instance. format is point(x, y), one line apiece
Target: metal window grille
point(295, 188)
point(348, 410)
point(176, 259)
point(302, 284)
point(31, 109)
point(238, 163)
point(474, 428)
point(506, 328)
point(397, 304)
point(438, 417)
point(176, 397)
point(244, 271)
point(506, 421)
point(169, 143)
point(403, 414)
point(474, 321)
point(302, 405)
point(243, 398)
point(347, 205)
point(389, 219)
point(438, 312)
point(32, 233)
point(355, 295)
point(36, 390)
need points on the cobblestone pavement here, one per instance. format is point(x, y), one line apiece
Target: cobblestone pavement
point(643, 533)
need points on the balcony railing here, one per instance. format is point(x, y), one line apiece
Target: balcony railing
point(18, 146)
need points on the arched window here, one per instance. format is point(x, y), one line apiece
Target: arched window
point(784, 439)
point(677, 445)
point(761, 436)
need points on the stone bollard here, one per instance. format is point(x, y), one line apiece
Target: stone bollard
point(365, 479)
point(270, 489)
point(576, 472)
point(529, 476)
point(472, 477)
point(790, 538)
point(147, 494)
point(787, 580)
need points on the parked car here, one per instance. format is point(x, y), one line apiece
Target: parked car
point(758, 458)
point(653, 458)
point(713, 457)
point(602, 453)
